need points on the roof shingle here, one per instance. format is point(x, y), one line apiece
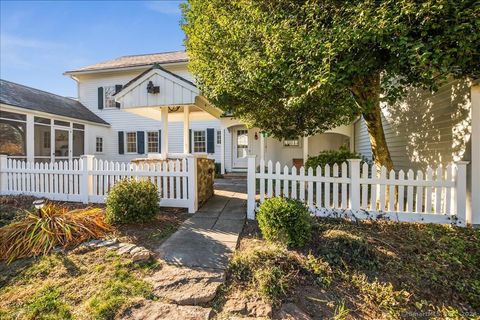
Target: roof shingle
point(136, 60)
point(33, 99)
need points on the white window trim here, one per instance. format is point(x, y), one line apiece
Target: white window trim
point(288, 147)
point(193, 141)
point(105, 98)
point(103, 145)
point(126, 143)
point(146, 141)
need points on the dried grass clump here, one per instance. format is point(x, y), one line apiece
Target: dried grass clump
point(38, 233)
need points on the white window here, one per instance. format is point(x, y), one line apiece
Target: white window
point(131, 142)
point(219, 137)
point(108, 93)
point(152, 141)
point(99, 144)
point(199, 141)
point(295, 142)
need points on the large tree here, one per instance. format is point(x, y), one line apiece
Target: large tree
point(296, 67)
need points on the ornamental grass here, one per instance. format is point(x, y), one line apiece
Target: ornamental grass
point(52, 226)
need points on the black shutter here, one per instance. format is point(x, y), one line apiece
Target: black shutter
point(190, 138)
point(118, 87)
point(140, 142)
point(100, 98)
point(120, 143)
point(210, 140)
point(159, 140)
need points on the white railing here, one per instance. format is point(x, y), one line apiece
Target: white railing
point(90, 179)
point(360, 191)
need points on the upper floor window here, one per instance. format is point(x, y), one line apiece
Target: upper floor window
point(152, 141)
point(199, 141)
point(131, 142)
point(109, 101)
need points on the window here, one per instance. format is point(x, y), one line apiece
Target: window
point(46, 138)
point(295, 142)
point(108, 96)
point(152, 141)
point(61, 123)
point(131, 142)
point(219, 137)
point(199, 141)
point(12, 133)
point(99, 144)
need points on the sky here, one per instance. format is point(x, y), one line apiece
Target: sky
point(39, 40)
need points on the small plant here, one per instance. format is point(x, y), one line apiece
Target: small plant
point(272, 283)
point(132, 201)
point(320, 269)
point(47, 304)
point(38, 233)
point(331, 157)
point(285, 220)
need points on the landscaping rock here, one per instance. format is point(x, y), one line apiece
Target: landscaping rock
point(142, 256)
point(290, 311)
point(259, 308)
point(106, 243)
point(235, 306)
point(136, 249)
point(153, 310)
point(125, 248)
point(186, 286)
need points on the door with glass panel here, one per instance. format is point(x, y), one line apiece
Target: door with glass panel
point(62, 143)
point(240, 150)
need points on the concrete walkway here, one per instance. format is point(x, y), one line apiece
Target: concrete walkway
point(208, 239)
point(195, 257)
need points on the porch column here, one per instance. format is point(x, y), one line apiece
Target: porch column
point(262, 147)
point(473, 211)
point(30, 147)
point(222, 151)
point(186, 127)
point(165, 132)
point(305, 150)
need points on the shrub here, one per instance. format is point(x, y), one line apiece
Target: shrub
point(132, 201)
point(331, 157)
point(39, 233)
point(284, 220)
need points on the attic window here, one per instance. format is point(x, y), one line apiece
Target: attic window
point(152, 89)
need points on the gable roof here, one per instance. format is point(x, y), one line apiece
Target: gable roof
point(136, 61)
point(155, 66)
point(21, 96)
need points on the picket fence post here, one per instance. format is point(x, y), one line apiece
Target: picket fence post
point(251, 186)
point(3, 174)
point(192, 183)
point(354, 165)
point(461, 192)
point(86, 180)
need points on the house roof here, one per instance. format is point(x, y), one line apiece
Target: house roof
point(21, 96)
point(155, 66)
point(136, 61)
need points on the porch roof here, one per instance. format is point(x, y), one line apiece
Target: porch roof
point(174, 90)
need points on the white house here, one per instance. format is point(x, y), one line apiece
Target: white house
point(141, 105)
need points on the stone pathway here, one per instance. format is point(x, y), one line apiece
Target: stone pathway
point(197, 255)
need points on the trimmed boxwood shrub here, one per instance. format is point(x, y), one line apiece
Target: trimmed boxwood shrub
point(285, 220)
point(132, 201)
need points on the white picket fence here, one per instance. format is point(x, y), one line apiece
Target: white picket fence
point(357, 191)
point(90, 179)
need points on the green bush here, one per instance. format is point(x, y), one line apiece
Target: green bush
point(285, 220)
point(331, 157)
point(132, 201)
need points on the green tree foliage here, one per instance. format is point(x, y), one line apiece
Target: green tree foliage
point(300, 67)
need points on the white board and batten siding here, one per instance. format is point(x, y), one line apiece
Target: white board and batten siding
point(90, 179)
point(354, 191)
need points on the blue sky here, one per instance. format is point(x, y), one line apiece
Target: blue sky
point(39, 40)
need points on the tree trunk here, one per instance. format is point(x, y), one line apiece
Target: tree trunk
point(367, 94)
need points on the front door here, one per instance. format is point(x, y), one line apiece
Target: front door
point(61, 145)
point(240, 147)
